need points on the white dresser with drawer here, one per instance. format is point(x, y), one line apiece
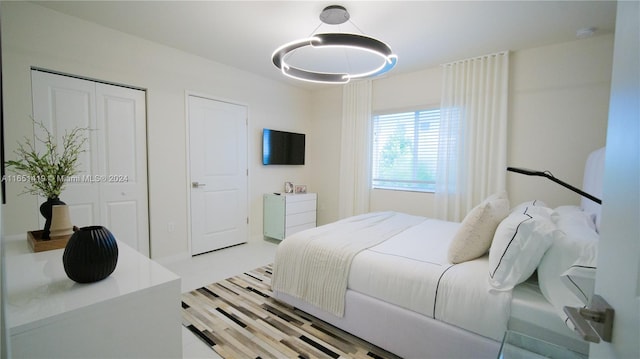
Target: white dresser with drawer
point(285, 214)
point(133, 313)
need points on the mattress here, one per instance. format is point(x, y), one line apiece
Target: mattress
point(411, 270)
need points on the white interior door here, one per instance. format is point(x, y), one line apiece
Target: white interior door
point(218, 173)
point(111, 187)
point(618, 274)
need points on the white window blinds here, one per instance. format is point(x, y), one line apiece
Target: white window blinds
point(405, 150)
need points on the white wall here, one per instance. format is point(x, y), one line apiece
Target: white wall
point(326, 126)
point(558, 114)
point(36, 36)
point(559, 97)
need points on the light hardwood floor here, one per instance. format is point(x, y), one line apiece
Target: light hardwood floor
point(211, 267)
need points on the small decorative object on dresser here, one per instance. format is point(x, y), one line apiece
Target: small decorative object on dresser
point(46, 210)
point(60, 230)
point(60, 222)
point(288, 187)
point(90, 255)
point(301, 188)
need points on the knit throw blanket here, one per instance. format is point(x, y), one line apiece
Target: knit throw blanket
point(313, 265)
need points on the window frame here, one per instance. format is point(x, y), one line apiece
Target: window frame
point(429, 185)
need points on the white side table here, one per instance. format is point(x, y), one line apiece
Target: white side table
point(135, 312)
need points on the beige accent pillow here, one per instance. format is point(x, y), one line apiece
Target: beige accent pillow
point(476, 231)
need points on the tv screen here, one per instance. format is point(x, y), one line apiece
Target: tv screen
point(282, 148)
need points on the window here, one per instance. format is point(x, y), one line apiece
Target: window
point(405, 150)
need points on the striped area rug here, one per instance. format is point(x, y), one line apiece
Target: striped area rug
point(238, 318)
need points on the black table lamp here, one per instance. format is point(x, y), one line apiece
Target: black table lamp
point(548, 175)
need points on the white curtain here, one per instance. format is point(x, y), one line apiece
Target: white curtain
point(472, 150)
point(355, 167)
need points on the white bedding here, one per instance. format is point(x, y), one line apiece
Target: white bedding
point(404, 270)
point(411, 270)
point(314, 265)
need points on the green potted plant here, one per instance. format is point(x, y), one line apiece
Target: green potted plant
point(45, 172)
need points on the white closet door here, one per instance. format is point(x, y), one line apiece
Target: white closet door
point(122, 160)
point(111, 187)
point(61, 103)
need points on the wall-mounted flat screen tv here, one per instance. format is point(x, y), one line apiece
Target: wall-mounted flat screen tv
point(282, 148)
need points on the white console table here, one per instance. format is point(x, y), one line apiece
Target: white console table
point(133, 313)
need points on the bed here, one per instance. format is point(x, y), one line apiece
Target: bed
point(427, 288)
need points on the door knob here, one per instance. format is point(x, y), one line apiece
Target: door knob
point(197, 184)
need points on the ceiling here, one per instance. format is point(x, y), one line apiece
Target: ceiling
point(423, 34)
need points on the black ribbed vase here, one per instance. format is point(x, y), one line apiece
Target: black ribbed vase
point(91, 254)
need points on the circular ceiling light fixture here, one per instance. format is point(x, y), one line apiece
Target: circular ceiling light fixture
point(335, 15)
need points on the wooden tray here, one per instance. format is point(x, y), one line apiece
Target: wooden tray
point(37, 244)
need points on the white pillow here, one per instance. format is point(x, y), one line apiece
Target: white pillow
point(580, 278)
point(535, 204)
point(577, 244)
point(518, 245)
point(473, 238)
point(574, 216)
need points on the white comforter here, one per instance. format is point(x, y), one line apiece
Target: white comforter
point(314, 264)
point(397, 258)
point(411, 270)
